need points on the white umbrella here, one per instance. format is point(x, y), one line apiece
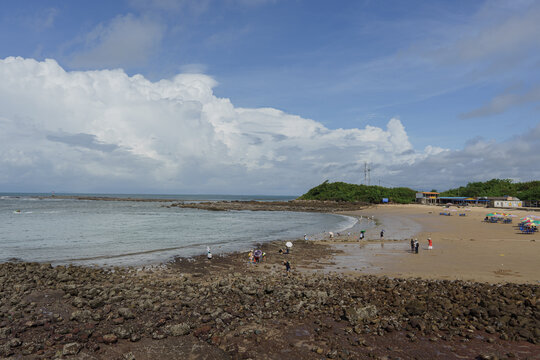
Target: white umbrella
point(288, 244)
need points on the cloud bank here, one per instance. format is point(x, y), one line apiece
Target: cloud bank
point(104, 131)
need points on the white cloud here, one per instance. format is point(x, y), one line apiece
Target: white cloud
point(502, 36)
point(125, 42)
point(46, 19)
point(107, 131)
point(193, 68)
point(480, 160)
point(503, 102)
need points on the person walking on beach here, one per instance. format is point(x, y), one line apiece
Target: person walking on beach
point(209, 253)
point(412, 245)
point(416, 246)
point(287, 267)
point(382, 234)
point(430, 244)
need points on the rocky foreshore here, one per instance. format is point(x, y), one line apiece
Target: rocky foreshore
point(292, 205)
point(239, 311)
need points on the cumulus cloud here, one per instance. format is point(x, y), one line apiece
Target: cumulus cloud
point(106, 131)
point(126, 41)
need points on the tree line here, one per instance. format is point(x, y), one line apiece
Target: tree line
point(498, 187)
point(340, 191)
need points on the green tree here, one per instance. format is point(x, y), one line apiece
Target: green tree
point(340, 191)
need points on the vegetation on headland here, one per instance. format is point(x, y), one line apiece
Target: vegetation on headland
point(498, 187)
point(340, 191)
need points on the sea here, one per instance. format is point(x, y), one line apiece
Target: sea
point(129, 233)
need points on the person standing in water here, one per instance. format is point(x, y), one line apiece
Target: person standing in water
point(382, 234)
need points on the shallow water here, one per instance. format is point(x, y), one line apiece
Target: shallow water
point(363, 256)
point(132, 233)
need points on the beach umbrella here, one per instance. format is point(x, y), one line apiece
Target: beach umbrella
point(490, 214)
point(288, 244)
point(257, 253)
point(453, 210)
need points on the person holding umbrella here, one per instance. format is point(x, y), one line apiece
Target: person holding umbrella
point(288, 246)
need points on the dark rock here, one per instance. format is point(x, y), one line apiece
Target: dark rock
point(178, 329)
point(126, 313)
point(123, 332)
point(71, 349)
point(356, 315)
point(110, 338)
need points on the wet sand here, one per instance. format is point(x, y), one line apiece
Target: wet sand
point(464, 247)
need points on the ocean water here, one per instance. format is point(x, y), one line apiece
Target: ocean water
point(110, 233)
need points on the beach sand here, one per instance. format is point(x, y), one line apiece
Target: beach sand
point(464, 247)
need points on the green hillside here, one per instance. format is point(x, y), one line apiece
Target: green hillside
point(340, 191)
point(498, 187)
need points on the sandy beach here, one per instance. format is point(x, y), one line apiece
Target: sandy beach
point(464, 247)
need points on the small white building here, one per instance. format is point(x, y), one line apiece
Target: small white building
point(505, 202)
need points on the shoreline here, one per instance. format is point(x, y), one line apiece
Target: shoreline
point(227, 308)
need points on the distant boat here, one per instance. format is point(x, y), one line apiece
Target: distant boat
point(17, 211)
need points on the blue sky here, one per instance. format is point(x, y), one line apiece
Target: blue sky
point(455, 79)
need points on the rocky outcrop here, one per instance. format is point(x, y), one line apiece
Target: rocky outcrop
point(293, 205)
point(41, 315)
